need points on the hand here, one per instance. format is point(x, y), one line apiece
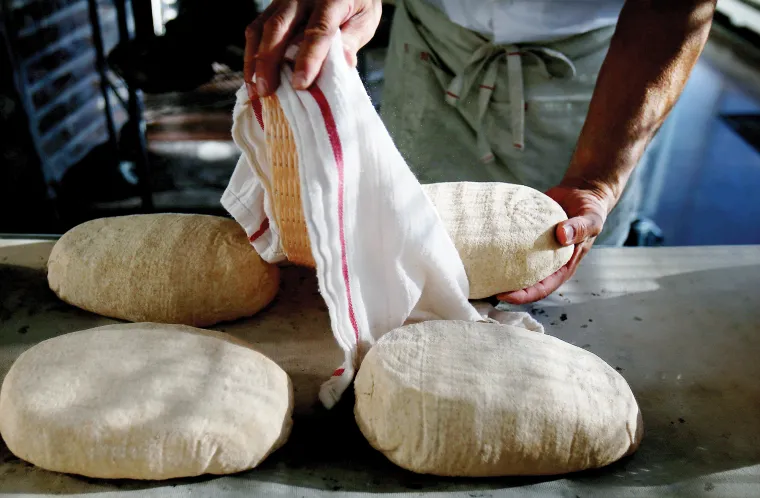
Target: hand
point(270, 34)
point(587, 209)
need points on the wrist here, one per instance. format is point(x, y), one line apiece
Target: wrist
point(603, 167)
point(607, 192)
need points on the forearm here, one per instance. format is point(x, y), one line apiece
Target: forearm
point(651, 55)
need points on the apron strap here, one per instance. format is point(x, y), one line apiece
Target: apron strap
point(516, 96)
point(482, 70)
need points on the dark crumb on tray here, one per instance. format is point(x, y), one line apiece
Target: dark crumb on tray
point(24, 329)
point(553, 323)
point(563, 317)
point(586, 346)
point(584, 326)
point(638, 318)
point(618, 369)
point(681, 420)
point(590, 320)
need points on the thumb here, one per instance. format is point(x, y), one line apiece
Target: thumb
point(579, 228)
point(358, 31)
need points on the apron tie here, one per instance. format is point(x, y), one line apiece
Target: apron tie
point(482, 69)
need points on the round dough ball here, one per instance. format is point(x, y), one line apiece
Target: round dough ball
point(477, 399)
point(504, 233)
point(170, 268)
point(145, 401)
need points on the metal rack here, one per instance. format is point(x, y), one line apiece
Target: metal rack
point(18, 27)
point(133, 103)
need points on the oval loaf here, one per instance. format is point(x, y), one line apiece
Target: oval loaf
point(504, 233)
point(145, 401)
point(476, 399)
point(169, 268)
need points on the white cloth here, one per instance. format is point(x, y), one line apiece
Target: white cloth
point(522, 21)
point(382, 254)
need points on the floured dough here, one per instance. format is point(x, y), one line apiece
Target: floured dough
point(170, 268)
point(504, 233)
point(475, 399)
point(145, 401)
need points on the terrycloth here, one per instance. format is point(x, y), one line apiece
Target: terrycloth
point(383, 256)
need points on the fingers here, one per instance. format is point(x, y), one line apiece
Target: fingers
point(579, 228)
point(276, 34)
point(252, 36)
point(268, 37)
point(551, 283)
point(587, 215)
point(538, 291)
point(359, 30)
point(325, 20)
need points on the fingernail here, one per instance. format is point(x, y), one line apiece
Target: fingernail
point(299, 80)
point(569, 234)
point(251, 90)
point(262, 87)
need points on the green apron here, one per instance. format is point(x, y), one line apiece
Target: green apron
point(461, 108)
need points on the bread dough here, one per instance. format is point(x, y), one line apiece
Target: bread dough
point(145, 401)
point(477, 399)
point(504, 233)
point(170, 268)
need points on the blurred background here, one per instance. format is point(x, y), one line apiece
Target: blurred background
point(111, 107)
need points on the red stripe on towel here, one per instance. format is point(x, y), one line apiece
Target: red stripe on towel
point(337, 148)
point(258, 233)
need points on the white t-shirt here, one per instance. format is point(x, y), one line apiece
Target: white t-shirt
point(522, 21)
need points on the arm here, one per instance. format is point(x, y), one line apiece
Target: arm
point(652, 53)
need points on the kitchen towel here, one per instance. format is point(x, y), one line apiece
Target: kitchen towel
point(383, 257)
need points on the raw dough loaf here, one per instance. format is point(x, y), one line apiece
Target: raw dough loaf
point(476, 399)
point(504, 233)
point(169, 268)
point(145, 401)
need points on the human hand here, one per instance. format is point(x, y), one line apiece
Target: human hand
point(586, 208)
point(284, 21)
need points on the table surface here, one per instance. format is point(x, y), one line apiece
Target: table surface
point(682, 325)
